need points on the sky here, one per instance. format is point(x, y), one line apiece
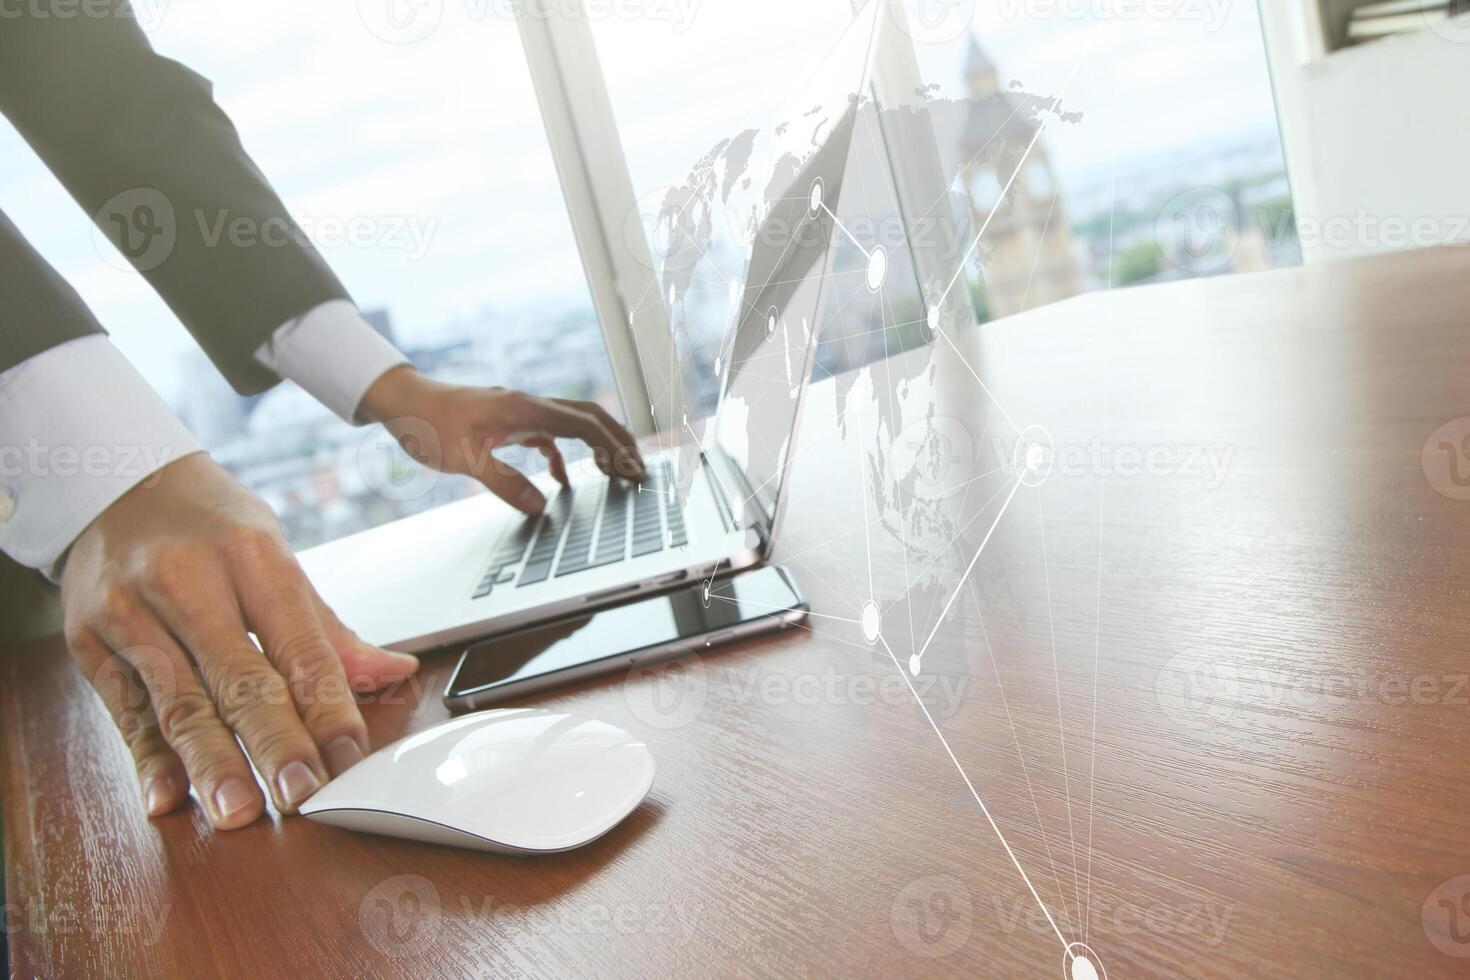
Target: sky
point(1146, 84)
point(434, 153)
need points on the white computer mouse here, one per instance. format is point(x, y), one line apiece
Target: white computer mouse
point(515, 781)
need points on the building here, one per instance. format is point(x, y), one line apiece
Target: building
point(1029, 258)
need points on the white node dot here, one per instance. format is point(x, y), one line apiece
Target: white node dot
point(872, 621)
point(1080, 962)
point(1034, 457)
point(706, 595)
point(771, 324)
point(815, 201)
point(933, 319)
point(734, 292)
point(915, 665)
point(671, 294)
point(877, 269)
point(717, 367)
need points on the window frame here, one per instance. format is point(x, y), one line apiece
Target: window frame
point(580, 128)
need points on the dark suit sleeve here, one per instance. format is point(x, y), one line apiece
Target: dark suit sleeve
point(139, 142)
point(40, 309)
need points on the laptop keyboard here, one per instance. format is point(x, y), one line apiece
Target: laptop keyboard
point(588, 525)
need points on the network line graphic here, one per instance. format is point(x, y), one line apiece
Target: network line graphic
point(1029, 466)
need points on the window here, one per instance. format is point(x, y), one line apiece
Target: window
point(693, 98)
point(407, 140)
point(691, 101)
point(411, 150)
point(1163, 160)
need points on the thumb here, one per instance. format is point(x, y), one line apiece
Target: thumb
point(368, 668)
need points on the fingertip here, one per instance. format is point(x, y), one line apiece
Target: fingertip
point(163, 794)
point(238, 819)
point(296, 783)
point(342, 753)
point(628, 462)
point(372, 668)
point(530, 501)
point(235, 803)
point(401, 664)
point(555, 463)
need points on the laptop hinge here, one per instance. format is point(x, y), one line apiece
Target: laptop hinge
point(725, 470)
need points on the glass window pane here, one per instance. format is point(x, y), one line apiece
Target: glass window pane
point(695, 102)
point(1163, 160)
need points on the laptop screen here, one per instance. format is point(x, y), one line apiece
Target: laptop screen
point(766, 358)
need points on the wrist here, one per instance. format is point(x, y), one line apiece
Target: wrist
point(397, 393)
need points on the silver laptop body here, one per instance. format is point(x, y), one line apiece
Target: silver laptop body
point(477, 567)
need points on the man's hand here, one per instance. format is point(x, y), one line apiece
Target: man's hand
point(455, 429)
point(161, 593)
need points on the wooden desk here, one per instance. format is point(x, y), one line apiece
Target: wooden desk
point(1281, 706)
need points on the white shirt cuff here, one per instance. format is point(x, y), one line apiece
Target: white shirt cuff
point(332, 353)
point(79, 427)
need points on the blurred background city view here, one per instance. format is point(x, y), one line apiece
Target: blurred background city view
point(1174, 170)
point(325, 480)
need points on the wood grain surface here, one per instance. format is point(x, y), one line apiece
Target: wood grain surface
point(1249, 546)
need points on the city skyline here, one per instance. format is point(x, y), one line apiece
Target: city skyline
point(383, 138)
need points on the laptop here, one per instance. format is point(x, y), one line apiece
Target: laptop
point(477, 567)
